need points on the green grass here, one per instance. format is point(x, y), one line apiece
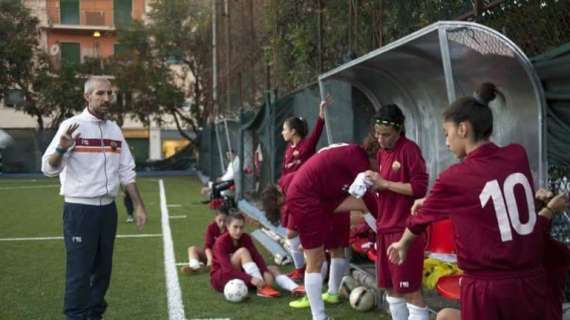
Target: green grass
point(32, 272)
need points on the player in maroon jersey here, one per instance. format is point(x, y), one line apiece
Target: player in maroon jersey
point(198, 255)
point(556, 263)
point(489, 198)
point(235, 257)
point(318, 189)
point(299, 148)
point(401, 179)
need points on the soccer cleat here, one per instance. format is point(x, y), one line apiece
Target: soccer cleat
point(268, 292)
point(302, 303)
point(298, 291)
point(187, 270)
point(130, 219)
point(330, 298)
point(297, 274)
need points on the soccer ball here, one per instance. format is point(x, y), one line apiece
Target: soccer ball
point(281, 260)
point(347, 284)
point(362, 298)
point(235, 290)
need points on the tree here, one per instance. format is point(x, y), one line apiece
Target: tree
point(18, 31)
point(181, 34)
point(48, 92)
point(146, 84)
point(152, 72)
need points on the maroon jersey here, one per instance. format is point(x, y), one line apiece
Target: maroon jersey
point(284, 182)
point(296, 155)
point(405, 164)
point(328, 174)
point(490, 200)
point(225, 247)
point(212, 233)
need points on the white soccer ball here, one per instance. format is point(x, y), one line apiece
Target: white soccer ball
point(281, 260)
point(362, 298)
point(347, 284)
point(235, 290)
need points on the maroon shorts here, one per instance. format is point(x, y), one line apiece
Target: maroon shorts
point(312, 218)
point(516, 297)
point(287, 218)
point(404, 278)
point(556, 263)
point(339, 234)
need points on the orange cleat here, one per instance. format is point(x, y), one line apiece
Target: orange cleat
point(297, 274)
point(268, 292)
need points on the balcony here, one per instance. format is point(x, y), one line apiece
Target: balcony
point(88, 20)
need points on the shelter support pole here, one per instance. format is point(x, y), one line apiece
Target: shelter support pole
point(220, 152)
point(446, 61)
point(327, 124)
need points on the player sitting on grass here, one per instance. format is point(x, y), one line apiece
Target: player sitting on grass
point(235, 257)
point(197, 255)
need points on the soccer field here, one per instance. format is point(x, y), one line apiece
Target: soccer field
point(33, 259)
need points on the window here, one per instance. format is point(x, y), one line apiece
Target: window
point(70, 53)
point(119, 49)
point(122, 13)
point(69, 11)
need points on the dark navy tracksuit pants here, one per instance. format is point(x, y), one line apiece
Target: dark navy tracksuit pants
point(89, 234)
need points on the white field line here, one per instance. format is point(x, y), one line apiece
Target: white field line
point(173, 293)
point(174, 205)
point(148, 235)
point(30, 187)
point(178, 217)
point(19, 180)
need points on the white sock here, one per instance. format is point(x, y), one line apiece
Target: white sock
point(285, 282)
point(338, 269)
point(398, 308)
point(194, 264)
point(252, 269)
point(313, 287)
point(324, 269)
point(417, 313)
point(296, 254)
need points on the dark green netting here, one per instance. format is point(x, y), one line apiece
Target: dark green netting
point(263, 147)
point(213, 141)
point(553, 68)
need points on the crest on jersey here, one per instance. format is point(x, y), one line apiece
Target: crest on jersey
point(296, 153)
point(396, 165)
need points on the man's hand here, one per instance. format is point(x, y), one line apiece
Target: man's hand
point(417, 204)
point(66, 140)
point(140, 213)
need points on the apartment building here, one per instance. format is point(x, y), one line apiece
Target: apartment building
point(71, 31)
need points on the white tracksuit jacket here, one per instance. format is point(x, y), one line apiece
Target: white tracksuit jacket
point(98, 162)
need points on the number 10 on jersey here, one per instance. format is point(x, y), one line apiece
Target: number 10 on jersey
point(506, 207)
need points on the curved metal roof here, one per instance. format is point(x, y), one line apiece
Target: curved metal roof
point(425, 71)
